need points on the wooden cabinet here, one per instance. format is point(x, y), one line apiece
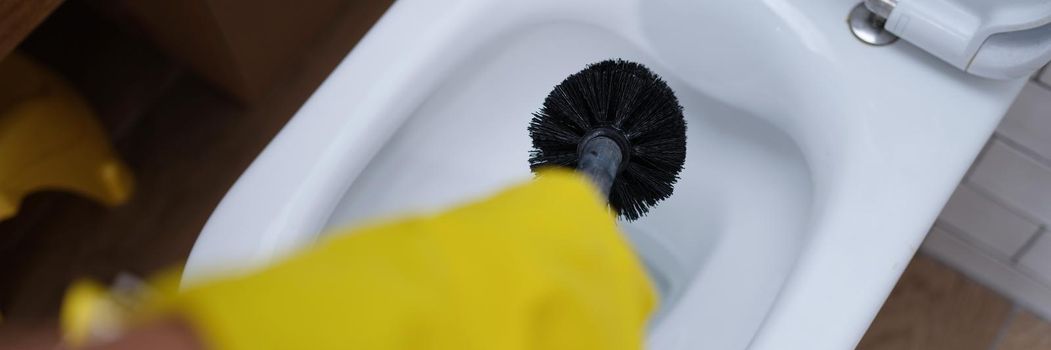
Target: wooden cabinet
point(243, 46)
point(18, 18)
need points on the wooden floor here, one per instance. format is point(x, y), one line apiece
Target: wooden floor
point(934, 307)
point(187, 143)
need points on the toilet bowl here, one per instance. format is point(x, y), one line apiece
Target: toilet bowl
point(815, 163)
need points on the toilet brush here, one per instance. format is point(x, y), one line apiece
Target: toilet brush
point(621, 125)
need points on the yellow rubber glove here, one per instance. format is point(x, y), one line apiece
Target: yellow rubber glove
point(538, 266)
point(50, 139)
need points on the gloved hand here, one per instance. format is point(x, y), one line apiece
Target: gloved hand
point(538, 266)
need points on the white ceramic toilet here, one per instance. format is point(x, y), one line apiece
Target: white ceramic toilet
point(815, 163)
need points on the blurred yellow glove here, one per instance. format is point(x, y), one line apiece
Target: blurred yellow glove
point(538, 266)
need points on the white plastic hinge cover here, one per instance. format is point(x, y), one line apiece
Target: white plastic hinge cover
point(999, 39)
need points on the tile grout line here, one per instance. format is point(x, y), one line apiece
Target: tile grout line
point(1026, 151)
point(964, 236)
point(1042, 84)
point(995, 258)
point(1001, 333)
point(1040, 232)
point(982, 191)
point(1040, 72)
point(989, 253)
point(978, 158)
point(980, 248)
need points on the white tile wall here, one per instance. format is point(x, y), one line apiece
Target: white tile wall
point(996, 226)
point(1019, 180)
point(1002, 276)
point(1037, 259)
point(1029, 120)
point(977, 217)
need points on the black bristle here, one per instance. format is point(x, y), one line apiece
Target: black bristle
point(629, 98)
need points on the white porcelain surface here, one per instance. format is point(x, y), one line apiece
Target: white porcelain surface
point(735, 222)
point(815, 165)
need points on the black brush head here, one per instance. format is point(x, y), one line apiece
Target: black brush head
point(621, 97)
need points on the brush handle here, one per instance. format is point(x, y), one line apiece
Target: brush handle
point(599, 159)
